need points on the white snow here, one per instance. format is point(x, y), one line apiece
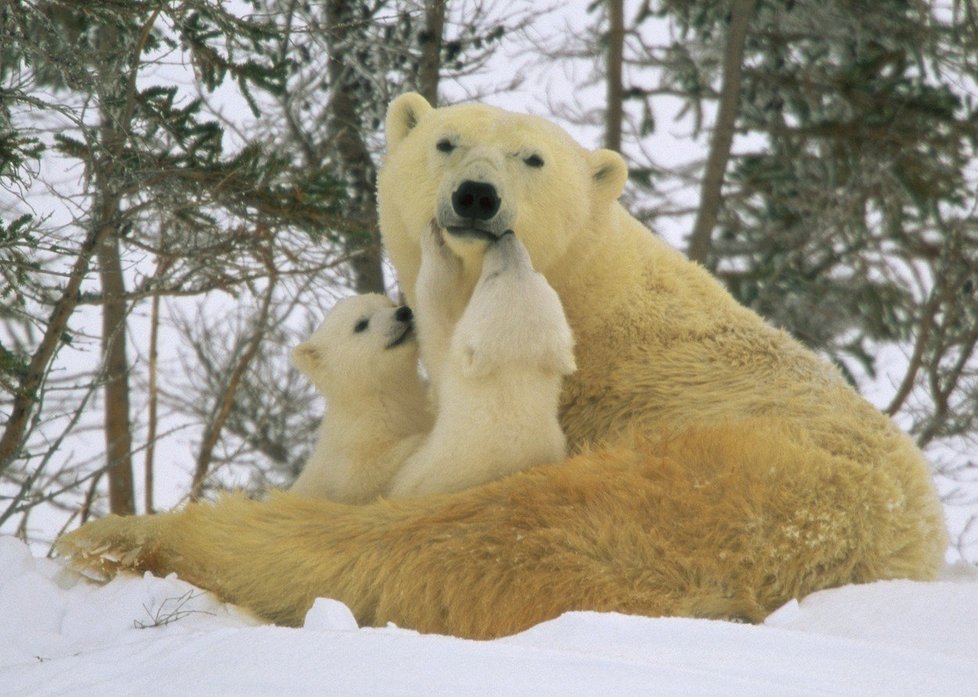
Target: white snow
point(61, 635)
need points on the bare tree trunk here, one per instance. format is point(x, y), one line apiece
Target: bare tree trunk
point(616, 53)
point(116, 106)
point(351, 150)
point(118, 430)
point(149, 466)
point(723, 131)
point(431, 41)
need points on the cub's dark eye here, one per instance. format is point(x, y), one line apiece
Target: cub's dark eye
point(445, 145)
point(534, 161)
point(361, 326)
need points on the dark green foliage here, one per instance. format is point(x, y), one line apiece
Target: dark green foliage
point(16, 245)
point(17, 151)
point(173, 153)
point(865, 143)
point(163, 191)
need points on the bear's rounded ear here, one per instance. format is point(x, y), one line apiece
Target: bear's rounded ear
point(403, 114)
point(609, 173)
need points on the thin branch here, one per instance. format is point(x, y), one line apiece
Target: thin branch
point(213, 431)
point(917, 357)
point(26, 396)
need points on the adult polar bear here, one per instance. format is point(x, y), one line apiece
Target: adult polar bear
point(721, 468)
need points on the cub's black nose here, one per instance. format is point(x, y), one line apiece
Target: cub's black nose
point(403, 314)
point(475, 200)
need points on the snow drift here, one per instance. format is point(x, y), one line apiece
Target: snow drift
point(62, 635)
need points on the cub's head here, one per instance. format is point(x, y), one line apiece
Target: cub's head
point(365, 343)
point(479, 171)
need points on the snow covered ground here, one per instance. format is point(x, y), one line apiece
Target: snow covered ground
point(61, 636)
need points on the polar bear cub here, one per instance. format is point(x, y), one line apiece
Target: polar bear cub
point(363, 359)
point(498, 389)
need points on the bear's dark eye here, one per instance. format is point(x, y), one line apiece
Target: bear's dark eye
point(445, 145)
point(361, 326)
point(534, 161)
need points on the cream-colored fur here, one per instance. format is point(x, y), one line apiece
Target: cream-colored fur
point(363, 359)
point(504, 360)
point(722, 468)
point(501, 369)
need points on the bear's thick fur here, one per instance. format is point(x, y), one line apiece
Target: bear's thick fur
point(721, 468)
point(504, 360)
point(501, 369)
point(363, 359)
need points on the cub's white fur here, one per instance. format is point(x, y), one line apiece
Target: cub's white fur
point(496, 373)
point(363, 359)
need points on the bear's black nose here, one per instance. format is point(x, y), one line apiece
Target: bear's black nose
point(475, 200)
point(403, 314)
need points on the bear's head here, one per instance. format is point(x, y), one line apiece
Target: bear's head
point(477, 171)
point(365, 345)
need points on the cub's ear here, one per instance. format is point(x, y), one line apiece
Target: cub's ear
point(306, 358)
point(477, 363)
point(403, 114)
point(566, 365)
point(609, 173)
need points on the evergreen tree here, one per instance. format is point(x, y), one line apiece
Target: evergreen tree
point(156, 182)
point(853, 226)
